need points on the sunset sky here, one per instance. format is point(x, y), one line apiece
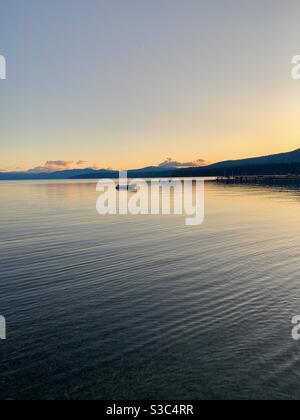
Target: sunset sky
point(127, 83)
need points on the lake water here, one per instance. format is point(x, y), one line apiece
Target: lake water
point(144, 307)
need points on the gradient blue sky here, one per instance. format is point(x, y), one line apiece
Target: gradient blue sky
point(126, 83)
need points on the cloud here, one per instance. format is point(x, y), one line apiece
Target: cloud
point(54, 166)
point(82, 163)
point(170, 163)
point(85, 164)
point(63, 165)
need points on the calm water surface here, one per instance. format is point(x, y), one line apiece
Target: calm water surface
point(145, 307)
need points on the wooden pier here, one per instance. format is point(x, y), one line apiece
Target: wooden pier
point(261, 180)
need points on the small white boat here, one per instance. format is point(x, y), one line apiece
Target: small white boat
point(127, 187)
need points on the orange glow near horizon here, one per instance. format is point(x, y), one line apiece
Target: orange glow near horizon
point(132, 89)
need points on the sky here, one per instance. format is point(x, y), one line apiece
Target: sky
point(131, 83)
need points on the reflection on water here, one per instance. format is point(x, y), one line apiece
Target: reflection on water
point(145, 307)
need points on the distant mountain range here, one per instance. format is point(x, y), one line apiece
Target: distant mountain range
point(282, 158)
point(279, 164)
point(283, 163)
